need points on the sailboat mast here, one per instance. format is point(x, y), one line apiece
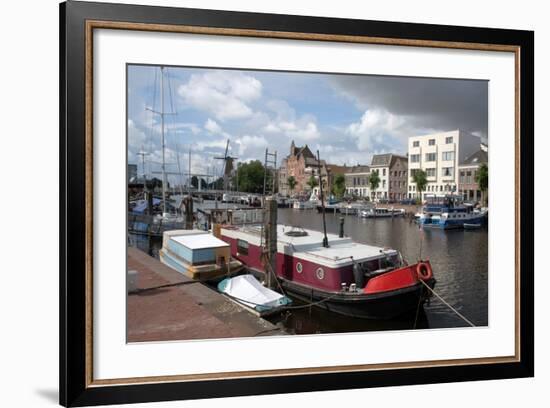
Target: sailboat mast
point(162, 140)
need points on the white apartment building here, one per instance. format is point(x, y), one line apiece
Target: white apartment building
point(439, 155)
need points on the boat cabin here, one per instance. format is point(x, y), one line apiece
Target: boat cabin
point(302, 259)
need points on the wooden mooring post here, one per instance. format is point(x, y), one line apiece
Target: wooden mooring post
point(188, 202)
point(270, 231)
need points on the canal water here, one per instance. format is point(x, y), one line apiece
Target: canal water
point(459, 259)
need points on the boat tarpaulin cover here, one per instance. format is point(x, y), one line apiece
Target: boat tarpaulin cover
point(200, 240)
point(247, 290)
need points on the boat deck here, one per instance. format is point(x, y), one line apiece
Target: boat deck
point(184, 311)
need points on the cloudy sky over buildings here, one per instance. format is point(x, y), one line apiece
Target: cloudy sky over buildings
point(348, 118)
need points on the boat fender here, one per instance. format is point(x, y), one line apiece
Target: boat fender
point(424, 271)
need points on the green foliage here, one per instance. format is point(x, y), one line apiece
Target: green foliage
point(251, 177)
point(339, 186)
point(312, 182)
point(216, 185)
point(374, 181)
point(421, 179)
point(291, 183)
point(482, 177)
point(195, 182)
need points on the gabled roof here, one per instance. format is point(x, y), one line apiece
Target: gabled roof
point(476, 158)
point(301, 151)
point(312, 161)
point(385, 160)
point(381, 160)
point(358, 169)
point(336, 169)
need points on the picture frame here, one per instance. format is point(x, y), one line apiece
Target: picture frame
point(78, 20)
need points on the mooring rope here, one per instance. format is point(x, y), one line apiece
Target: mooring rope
point(446, 304)
point(285, 307)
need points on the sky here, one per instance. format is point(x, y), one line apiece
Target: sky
point(348, 118)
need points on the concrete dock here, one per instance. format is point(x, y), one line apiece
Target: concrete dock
point(166, 305)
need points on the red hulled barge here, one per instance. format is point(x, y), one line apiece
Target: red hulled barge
point(336, 273)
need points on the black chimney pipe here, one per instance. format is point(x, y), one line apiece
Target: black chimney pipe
point(341, 235)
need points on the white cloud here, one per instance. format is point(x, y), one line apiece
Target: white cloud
point(377, 131)
point(213, 127)
point(251, 146)
point(210, 144)
point(225, 95)
point(302, 131)
point(136, 137)
point(303, 128)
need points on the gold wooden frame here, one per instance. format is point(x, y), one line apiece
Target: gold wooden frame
point(99, 24)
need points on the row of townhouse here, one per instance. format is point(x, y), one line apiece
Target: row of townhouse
point(451, 161)
point(392, 173)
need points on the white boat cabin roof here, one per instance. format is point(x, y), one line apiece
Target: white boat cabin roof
point(307, 244)
point(195, 239)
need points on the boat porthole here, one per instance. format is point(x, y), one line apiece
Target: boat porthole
point(320, 273)
point(299, 267)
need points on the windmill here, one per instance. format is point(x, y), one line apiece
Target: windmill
point(227, 166)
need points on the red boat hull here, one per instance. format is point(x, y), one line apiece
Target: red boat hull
point(384, 296)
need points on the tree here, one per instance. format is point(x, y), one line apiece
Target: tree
point(482, 180)
point(291, 183)
point(339, 187)
point(421, 179)
point(312, 182)
point(251, 177)
point(374, 182)
point(195, 181)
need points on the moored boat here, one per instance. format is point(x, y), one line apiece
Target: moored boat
point(246, 290)
point(381, 213)
point(197, 254)
point(449, 212)
point(344, 277)
point(303, 205)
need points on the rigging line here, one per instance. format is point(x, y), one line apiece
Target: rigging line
point(170, 94)
point(151, 129)
point(446, 304)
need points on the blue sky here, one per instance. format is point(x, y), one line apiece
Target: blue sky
point(348, 118)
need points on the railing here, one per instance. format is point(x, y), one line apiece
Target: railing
point(150, 225)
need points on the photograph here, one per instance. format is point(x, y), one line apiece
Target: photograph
point(286, 203)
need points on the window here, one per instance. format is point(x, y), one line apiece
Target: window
point(383, 183)
point(415, 158)
point(416, 143)
point(449, 140)
point(320, 273)
point(448, 171)
point(447, 156)
point(383, 172)
point(431, 172)
point(431, 142)
point(242, 247)
point(299, 267)
point(430, 157)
